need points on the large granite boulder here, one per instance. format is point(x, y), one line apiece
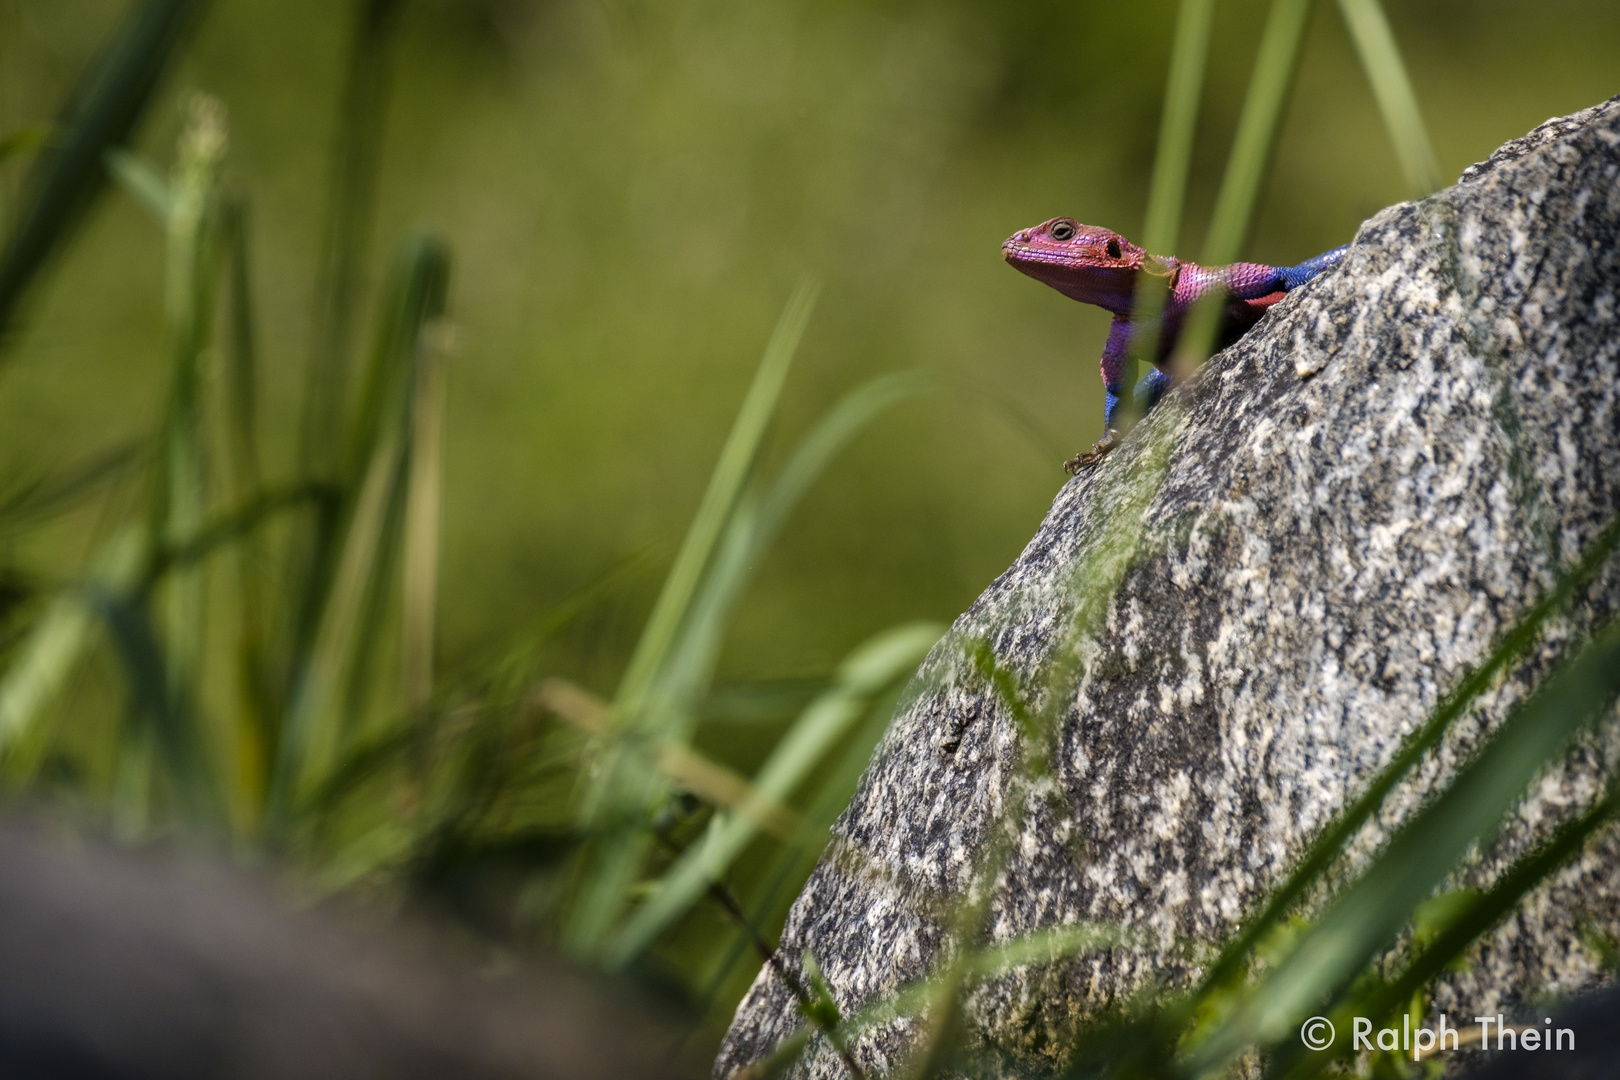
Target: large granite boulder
point(1364, 493)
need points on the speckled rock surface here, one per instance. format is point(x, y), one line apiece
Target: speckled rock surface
point(1364, 493)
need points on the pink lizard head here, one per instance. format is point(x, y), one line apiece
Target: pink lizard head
point(1083, 262)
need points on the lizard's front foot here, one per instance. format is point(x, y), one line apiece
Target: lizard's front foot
point(1090, 457)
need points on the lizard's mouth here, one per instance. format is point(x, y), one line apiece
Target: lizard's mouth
point(1016, 252)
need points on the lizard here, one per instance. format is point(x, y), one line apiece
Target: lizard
point(1098, 266)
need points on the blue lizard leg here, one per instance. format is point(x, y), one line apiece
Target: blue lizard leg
point(1148, 391)
point(1113, 369)
point(1152, 388)
point(1113, 397)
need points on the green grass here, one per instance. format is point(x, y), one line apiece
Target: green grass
point(270, 595)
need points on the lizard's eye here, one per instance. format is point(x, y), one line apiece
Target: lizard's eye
point(1063, 230)
point(1113, 249)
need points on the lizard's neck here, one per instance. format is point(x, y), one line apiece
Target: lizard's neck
point(1111, 288)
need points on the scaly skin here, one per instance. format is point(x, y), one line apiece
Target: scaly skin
point(1097, 266)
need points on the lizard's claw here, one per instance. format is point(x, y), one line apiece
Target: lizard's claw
point(1090, 457)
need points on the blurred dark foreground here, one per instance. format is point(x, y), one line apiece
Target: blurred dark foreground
point(138, 966)
point(120, 965)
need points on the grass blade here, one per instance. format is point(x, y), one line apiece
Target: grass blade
point(1168, 190)
point(422, 508)
point(725, 484)
point(257, 695)
point(415, 297)
point(58, 640)
point(1478, 917)
point(1327, 846)
point(308, 738)
point(106, 105)
point(346, 623)
point(323, 452)
point(242, 363)
point(1173, 160)
point(1252, 146)
point(1381, 59)
point(351, 208)
point(1047, 945)
point(864, 673)
point(396, 390)
point(160, 708)
point(192, 281)
point(708, 780)
point(832, 432)
point(416, 301)
point(618, 803)
point(748, 534)
point(35, 499)
point(142, 181)
point(1366, 916)
point(233, 526)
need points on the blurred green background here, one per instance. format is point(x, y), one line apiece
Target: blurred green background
point(631, 191)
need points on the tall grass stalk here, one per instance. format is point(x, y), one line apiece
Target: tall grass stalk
point(620, 800)
point(326, 446)
point(256, 701)
point(1256, 137)
point(57, 641)
point(423, 502)
point(1167, 192)
point(1392, 87)
point(321, 711)
point(750, 529)
point(102, 112)
point(1252, 146)
point(860, 679)
point(193, 240)
point(725, 484)
point(351, 207)
point(1172, 163)
point(164, 759)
